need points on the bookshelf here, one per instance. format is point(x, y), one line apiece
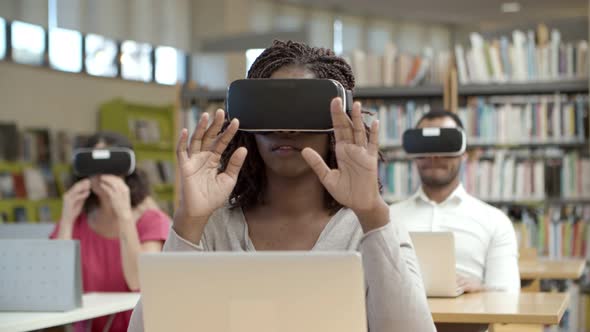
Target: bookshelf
point(26, 198)
point(151, 131)
point(427, 91)
point(562, 86)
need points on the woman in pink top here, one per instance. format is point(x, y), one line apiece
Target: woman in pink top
point(115, 220)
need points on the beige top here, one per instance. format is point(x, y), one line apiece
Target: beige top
point(395, 298)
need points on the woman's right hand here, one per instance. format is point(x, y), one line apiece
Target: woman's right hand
point(203, 188)
point(73, 201)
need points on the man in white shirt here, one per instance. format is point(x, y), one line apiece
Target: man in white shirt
point(485, 241)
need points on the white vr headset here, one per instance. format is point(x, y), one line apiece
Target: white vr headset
point(113, 160)
point(426, 142)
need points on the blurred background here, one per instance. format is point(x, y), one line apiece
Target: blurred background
point(516, 72)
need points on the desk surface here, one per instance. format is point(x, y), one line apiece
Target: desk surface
point(482, 308)
point(491, 307)
point(93, 305)
point(551, 269)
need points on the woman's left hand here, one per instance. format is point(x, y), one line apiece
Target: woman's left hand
point(354, 183)
point(119, 198)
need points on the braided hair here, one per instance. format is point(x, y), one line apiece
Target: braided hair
point(323, 63)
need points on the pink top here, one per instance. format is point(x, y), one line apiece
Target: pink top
point(102, 267)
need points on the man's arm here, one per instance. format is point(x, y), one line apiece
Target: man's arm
point(501, 270)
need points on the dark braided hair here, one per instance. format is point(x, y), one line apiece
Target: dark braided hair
point(323, 63)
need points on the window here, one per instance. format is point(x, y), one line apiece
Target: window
point(28, 43)
point(101, 56)
point(2, 38)
point(338, 36)
point(65, 50)
point(170, 65)
point(251, 56)
point(136, 62)
point(351, 34)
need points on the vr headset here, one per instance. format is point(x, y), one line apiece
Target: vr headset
point(263, 105)
point(112, 160)
point(426, 142)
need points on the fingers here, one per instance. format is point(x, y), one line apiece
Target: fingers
point(112, 184)
point(108, 189)
point(211, 134)
point(112, 180)
point(197, 137)
point(315, 161)
point(181, 149)
point(235, 162)
point(358, 126)
point(342, 125)
point(225, 138)
point(373, 146)
point(81, 185)
point(81, 196)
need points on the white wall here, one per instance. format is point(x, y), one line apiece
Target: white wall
point(32, 96)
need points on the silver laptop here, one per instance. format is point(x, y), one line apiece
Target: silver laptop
point(436, 256)
point(253, 292)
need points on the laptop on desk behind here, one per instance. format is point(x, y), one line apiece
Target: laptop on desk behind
point(436, 255)
point(253, 292)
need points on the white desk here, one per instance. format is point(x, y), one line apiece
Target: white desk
point(93, 305)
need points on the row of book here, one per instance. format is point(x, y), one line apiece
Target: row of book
point(503, 175)
point(39, 146)
point(21, 214)
point(502, 120)
point(395, 118)
point(558, 231)
point(32, 183)
point(526, 119)
point(529, 56)
point(396, 68)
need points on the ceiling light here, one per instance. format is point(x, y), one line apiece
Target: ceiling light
point(510, 7)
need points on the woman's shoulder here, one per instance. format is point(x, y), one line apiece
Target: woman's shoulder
point(154, 214)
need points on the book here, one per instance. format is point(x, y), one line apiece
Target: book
point(20, 214)
point(545, 119)
point(20, 190)
point(35, 185)
point(9, 141)
point(396, 68)
point(6, 185)
point(529, 56)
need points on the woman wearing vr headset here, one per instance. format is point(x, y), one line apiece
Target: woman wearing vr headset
point(114, 219)
point(298, 191)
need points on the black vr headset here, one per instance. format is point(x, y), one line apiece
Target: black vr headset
point(112, 160)
point(426, 142)
point(264, 105)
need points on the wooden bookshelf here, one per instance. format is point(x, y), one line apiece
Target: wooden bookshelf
point(525, 88)
point(117, 115)
point(426, 91)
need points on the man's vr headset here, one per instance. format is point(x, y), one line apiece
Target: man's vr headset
point(112, 160)
point(426, 142)
point(285, 104)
